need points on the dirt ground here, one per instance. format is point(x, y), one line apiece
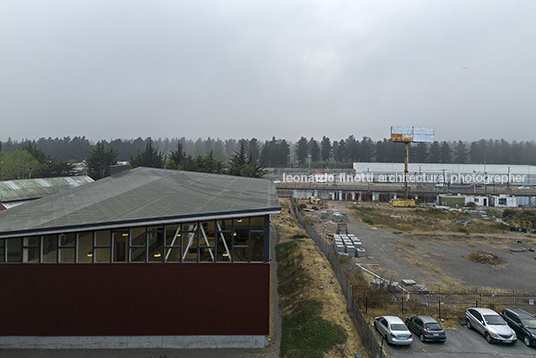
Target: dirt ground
point(439, 260)
point(325, 287)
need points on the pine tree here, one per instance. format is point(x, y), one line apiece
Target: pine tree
point(302, 150)
point(240, 165)
point(150, 157)
point(99, 161)
point(326, 150)
point(460, 153)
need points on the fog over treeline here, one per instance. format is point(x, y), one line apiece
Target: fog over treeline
point(277, 151)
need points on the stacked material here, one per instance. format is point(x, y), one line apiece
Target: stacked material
point(337, 216)
point(348, 245)
point(339, 245)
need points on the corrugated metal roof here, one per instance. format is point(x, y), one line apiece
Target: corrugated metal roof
point(139, 196)
point(26, 189)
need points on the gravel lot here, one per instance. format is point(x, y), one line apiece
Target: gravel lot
point(438, 259)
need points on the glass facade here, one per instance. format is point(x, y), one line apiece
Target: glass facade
point(230, 240)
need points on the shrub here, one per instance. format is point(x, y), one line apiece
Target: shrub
point(368, 220)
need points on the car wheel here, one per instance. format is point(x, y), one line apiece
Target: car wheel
point(386, 339)
point(422, 337)
point(488, 338)
point(469, 324)
point(526, 340)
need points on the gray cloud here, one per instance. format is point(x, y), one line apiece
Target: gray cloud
point(232, 69)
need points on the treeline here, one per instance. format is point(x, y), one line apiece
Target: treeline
point(281, 153)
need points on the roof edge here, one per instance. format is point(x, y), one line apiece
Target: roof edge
point(140, 222)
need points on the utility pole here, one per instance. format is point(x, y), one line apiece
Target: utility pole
point(410, 135)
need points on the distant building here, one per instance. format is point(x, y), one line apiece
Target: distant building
point(498, 201)
point(145, 258)
point(451, 173)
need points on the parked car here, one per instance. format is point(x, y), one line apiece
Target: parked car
point(426, 328)
point(393, 329)
point(490, 324)
point(523, 323)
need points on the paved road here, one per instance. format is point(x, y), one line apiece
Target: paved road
point(461, 342)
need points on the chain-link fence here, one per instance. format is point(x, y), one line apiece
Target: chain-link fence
point(448, 304)
point(365, 332)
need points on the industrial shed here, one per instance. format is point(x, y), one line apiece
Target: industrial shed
point(145, 258)
point(20, 191)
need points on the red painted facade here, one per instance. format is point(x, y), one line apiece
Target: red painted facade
point(134, 299)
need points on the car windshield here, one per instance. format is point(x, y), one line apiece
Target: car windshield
point(529, 323)
point(495, 320)
point(433, 326)
point(398, 327)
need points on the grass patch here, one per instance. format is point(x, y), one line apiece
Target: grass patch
point(425, 220)
point(304, 332)
point(368, 220)
point(292, 277)
point(344, 259)
point(374, 217)
point(485, 258)
point(434, 213)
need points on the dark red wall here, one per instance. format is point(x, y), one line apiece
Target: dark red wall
point(134, 299)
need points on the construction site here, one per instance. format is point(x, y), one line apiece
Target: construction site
point(426, 259)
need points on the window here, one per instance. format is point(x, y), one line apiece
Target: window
point(207, 241)
point(120, 240)
point(50, 248)
point(85, 246)
point(224, 240)
point(13, 250)
point(190, 242)
point(433, 326)
point(30, 251)
point(257, 223)
point(155, 242)
point(138, 242)
point(172, 250)
point(101, 250)
point(257, 246)
point(229, 240)
point(67, 246)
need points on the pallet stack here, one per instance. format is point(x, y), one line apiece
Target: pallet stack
point(348, 245)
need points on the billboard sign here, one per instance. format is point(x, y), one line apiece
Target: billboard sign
point(412, 134)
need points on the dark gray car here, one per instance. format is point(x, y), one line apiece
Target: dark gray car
point(426, 328)
point(523, 323)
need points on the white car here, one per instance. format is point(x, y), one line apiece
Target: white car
point(490, 324)
point(393, 329)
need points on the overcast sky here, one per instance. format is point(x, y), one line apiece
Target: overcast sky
point(231, 69)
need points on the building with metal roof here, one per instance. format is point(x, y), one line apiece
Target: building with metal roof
point(145, 258)
point(452, 173)
point(16, 192)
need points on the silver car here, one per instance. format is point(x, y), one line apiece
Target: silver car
point(393, 329)
point(490, 324)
